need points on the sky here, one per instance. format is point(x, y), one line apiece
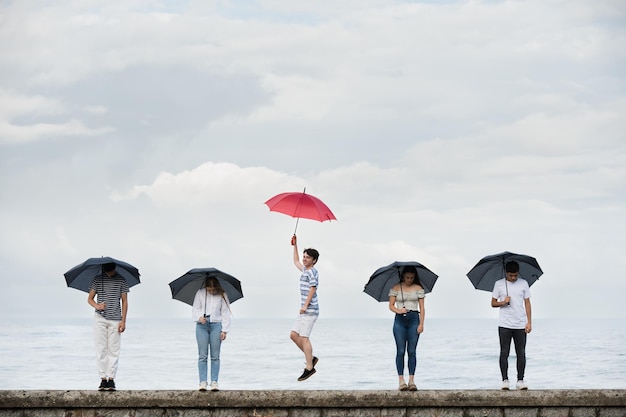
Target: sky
point(436, 131)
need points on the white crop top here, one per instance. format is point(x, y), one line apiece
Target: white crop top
point(407, 299)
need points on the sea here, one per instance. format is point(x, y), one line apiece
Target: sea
point(354, 354)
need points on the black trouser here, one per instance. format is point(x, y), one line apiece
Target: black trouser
point(519, 340)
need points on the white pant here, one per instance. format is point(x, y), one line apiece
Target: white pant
point(108, 340)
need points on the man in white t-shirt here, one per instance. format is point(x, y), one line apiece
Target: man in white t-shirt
point(512, 296)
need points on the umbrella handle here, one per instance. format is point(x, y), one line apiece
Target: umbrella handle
point(402, 292)
point(294, 230)
point(506, 285)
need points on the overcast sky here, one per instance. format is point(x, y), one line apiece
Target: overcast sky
point(436, 131)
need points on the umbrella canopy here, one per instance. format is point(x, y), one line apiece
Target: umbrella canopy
point(300, 205)
point(491, 268)
point(386, 277)
point(185, 287)
point(81, 276)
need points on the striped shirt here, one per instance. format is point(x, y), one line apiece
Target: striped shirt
point(308, 279)
point(109, 291)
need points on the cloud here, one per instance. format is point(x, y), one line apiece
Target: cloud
point(96, 109)
point(17, 109)
point(435, 131)
point(210, 183)
point(12, 134)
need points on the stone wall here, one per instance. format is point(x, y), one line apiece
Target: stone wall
point(478, 403)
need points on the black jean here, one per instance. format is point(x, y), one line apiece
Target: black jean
point(519, 340)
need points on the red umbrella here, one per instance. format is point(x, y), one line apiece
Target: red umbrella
point(300, 205)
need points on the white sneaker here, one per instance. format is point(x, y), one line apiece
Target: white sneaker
point(521, 385)
point(505, 385)
point(214, 386)
point(203, 386)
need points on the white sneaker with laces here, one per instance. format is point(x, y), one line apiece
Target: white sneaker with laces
point(505, 385)
point(203, 386)
point(521, 385)
point(214, 386)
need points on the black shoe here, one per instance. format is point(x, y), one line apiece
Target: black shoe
point(111, 385)
point(104, 385)
point(306, 374)
point(315, 360)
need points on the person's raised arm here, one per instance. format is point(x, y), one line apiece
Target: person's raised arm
point(296, 254)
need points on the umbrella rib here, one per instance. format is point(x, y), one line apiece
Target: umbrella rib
point(299, 201)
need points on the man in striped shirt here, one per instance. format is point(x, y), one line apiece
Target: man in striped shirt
point(110, 321)
point(309, 309)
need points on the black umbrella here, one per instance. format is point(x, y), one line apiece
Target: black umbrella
point(386, 277)
point(185, 287)
point(81, 276)
point(491, 268)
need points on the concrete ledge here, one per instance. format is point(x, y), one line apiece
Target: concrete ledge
point(311, 399)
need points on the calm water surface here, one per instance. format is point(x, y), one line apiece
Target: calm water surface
point(354, 354)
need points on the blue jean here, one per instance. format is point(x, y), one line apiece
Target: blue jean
point(406, 336)
point(208, 336)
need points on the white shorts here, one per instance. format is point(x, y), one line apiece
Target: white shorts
point(304, 324)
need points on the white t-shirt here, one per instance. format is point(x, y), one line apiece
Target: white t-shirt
point(512, 316)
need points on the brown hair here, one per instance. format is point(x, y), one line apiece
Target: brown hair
point(214, 283)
